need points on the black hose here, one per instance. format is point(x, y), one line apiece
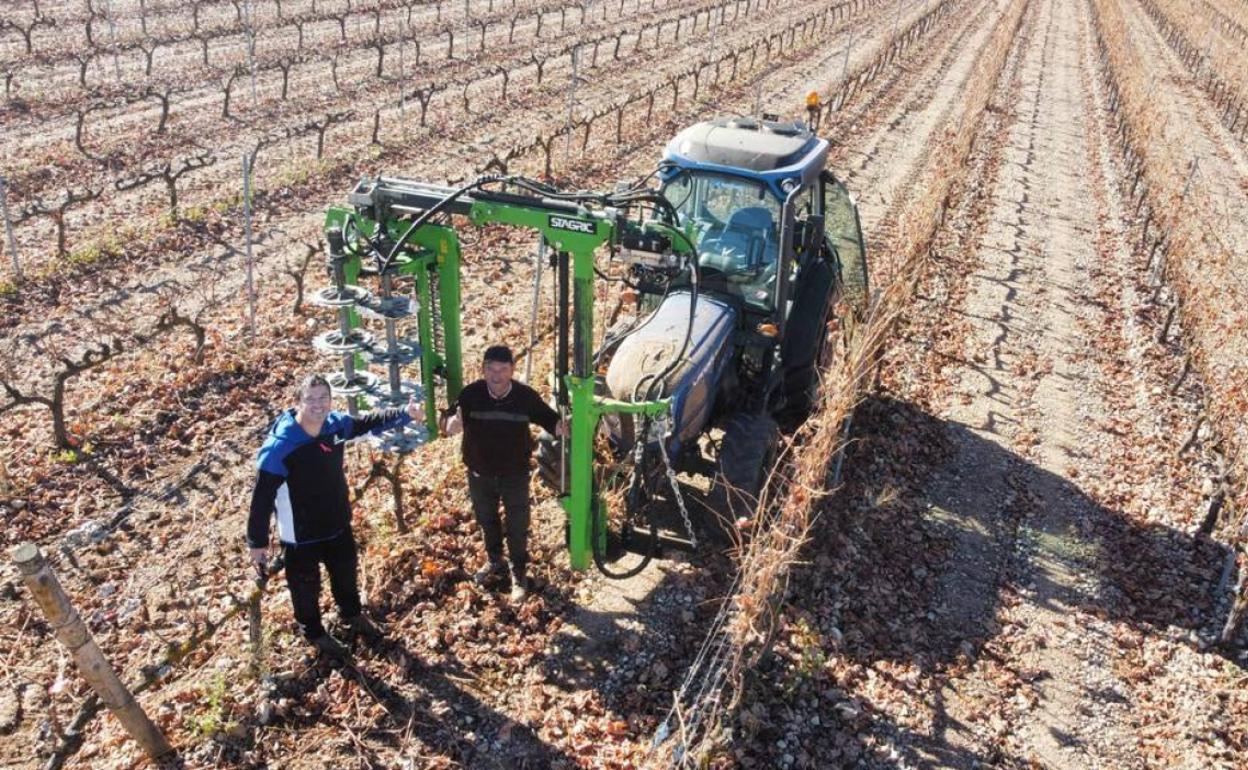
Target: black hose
point(616, 342)
point(634, 489)
point(695, 274)
point(600, 558)
point(429, 214)
point(636, 194)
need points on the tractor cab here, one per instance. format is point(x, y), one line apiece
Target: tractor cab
point(755, 198)
point(779, 245)
point(734, 222)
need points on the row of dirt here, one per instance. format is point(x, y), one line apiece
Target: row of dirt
point(1011, 575)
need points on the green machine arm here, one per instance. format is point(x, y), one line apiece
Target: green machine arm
point(574, 232)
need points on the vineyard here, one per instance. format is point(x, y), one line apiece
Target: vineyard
point(1013, 533)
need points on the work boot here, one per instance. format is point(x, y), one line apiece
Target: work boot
point(329, 647)
point(490, 570)
point(519, 585)
point(361, 627)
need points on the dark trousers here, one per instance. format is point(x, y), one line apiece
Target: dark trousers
point(513, 491)
point(303, 578)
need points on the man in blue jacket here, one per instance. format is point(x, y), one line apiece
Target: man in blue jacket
point(301, 480)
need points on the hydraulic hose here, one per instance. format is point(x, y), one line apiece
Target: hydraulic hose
point(695, 275)
point(430, 213)
point(596, 527)
point(634, 194)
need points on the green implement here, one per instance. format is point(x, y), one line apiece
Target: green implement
point(388, 230)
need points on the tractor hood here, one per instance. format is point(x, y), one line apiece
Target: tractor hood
point(694, 382)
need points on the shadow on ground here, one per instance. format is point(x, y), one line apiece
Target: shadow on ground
point(876, 580)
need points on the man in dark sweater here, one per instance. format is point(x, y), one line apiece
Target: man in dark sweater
point(300, 478)
point(494, 414)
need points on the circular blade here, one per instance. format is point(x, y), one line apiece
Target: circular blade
point(361, 383)
point(402, 440)
point(407, 351)
point(331, 296)
point(332, 342)
point(383, 308)
point(384, 398)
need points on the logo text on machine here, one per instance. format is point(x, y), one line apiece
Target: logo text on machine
point(573, 225)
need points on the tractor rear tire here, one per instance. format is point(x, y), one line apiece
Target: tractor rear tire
point(746, 456)
point(804, 343)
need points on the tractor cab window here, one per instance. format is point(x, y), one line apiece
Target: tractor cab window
point(841, 221)
point(736, 226)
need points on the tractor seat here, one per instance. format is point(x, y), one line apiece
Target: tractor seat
point(747, 241)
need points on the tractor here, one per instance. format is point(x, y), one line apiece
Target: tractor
point(731, 271)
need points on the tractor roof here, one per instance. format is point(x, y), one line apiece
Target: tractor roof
point(768, 150)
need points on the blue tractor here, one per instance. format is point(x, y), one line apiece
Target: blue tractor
point(737, 343)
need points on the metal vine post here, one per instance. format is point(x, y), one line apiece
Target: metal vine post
point(845, 62)
point(112, 34)
point(251, 285)
point(249, 14)
point(567, 141)
point(8, 228)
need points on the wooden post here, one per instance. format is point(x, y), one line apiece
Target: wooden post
point(8, 227)
point(73, 634)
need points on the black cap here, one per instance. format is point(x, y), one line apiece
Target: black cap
point(500, 354)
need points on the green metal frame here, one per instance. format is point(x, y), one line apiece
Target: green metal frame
point(438, 247)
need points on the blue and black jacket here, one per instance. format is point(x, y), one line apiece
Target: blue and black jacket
point(301, 479)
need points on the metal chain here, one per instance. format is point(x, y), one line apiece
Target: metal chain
point(671, 478)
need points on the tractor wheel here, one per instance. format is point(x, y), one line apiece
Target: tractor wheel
point(804, 344)
point(746, 456)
